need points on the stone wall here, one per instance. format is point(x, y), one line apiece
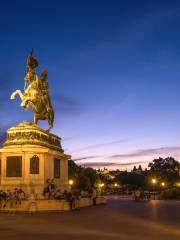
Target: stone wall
point(50, 205)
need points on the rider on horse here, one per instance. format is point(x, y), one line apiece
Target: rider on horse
point(45, 90)
point(36, 93)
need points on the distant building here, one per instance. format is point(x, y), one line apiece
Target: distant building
point(105, 173)
point(138, 170)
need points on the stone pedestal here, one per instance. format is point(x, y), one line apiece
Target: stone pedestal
point(30, 156)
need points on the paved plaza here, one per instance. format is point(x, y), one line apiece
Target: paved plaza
point(119, 219)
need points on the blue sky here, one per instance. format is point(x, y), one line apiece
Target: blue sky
point(114, 75)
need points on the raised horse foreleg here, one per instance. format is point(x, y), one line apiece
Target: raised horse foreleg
point(21, 95)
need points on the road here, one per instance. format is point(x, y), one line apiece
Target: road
point(119, 219)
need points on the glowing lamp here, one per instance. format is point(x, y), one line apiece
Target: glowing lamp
point(71, 182)
point(154, 181)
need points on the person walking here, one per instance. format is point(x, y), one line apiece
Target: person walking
point(77, 200)
point(94, 196)
point(70, 198)
point(32, 203)
point(12, 202)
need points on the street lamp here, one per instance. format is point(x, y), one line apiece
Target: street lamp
point(71, 182)
point(101, 187)
point(154, 183)
point(163, 184)
point(178, 184)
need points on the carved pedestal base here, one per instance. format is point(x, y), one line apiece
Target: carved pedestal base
point(29, 157)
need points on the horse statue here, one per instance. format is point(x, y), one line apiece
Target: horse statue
point(36, 95)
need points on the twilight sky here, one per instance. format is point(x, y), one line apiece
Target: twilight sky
point(114, 75)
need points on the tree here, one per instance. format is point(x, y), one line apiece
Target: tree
point(83, 182)
point(84, 178)
point(91, 174)
point(73, 169)
point(131, 178)
point(165, 169)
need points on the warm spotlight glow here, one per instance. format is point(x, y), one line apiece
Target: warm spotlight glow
point(71, 182)
point(102, 185)
point(154, 181)
point(115, 184)
point(163, 184)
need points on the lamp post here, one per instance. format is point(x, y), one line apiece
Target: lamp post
point(154, 183)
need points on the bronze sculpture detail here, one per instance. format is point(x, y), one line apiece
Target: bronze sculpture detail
point(36, 93)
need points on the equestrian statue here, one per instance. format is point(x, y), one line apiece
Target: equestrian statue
point(36, 93)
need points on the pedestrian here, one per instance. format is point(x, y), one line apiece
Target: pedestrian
point(32, 203)
point(4, 199)
point(1, 198)
point(12, 202)
point(70, 198)
point(94, 196)
point(77, 200)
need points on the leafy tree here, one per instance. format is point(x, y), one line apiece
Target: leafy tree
point(91, 174)
point(85, 178)
point(83, 182)
point(165, 169)
point(132, 178)
point(73, 169)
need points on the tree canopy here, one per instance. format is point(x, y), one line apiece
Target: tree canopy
point(165, 169)
point(85, 178)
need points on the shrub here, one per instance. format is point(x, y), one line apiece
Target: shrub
point(172, 193)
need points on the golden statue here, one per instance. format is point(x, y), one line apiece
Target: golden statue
point(36, 93)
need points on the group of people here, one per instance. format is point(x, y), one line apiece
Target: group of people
point(49, 189)
point(73, 197)
point(139, 195)
point(12, 198)
point(50, 192)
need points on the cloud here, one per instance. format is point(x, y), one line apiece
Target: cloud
point(84, 158)
point(147, 152)
point(114, 160)
point(113, 164)
point(103, 144)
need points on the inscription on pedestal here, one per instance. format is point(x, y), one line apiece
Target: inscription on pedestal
point(14, 166)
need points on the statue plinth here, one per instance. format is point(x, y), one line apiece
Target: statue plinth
point(30, 156)
point(27, 133)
